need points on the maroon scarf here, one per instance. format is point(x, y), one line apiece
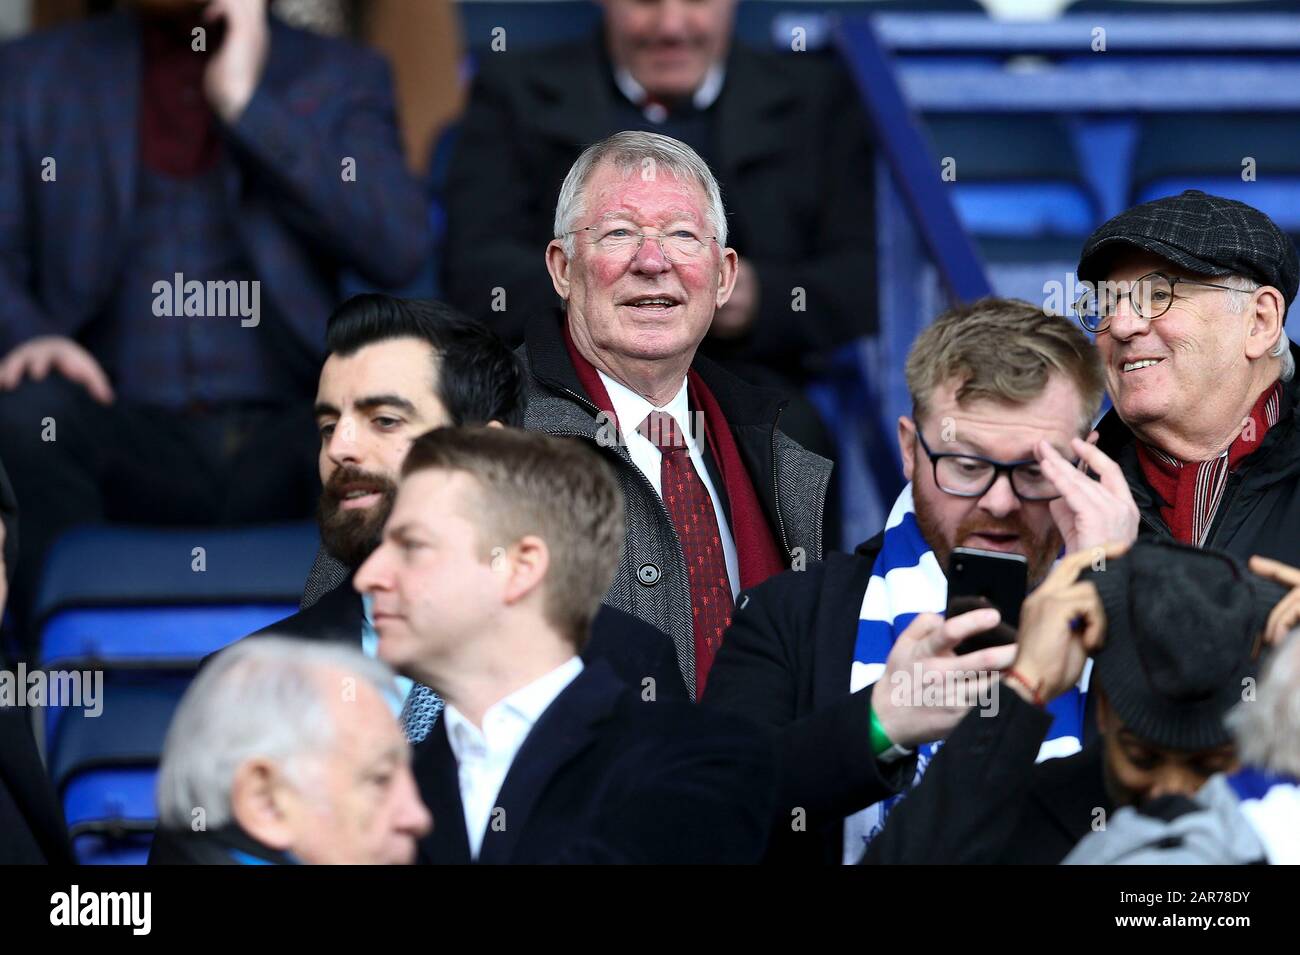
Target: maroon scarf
point(178, 129)
point(757, 551)
point(1192, 490)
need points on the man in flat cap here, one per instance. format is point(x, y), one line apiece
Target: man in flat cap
point(1187, 296)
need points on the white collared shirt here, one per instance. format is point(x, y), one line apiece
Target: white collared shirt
point(483, 756)
point(631, 409)
point(704, 97)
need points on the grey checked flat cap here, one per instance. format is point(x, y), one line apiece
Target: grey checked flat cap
point(1204, 234)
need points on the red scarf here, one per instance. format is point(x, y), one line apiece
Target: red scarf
point(1192, 490)
point(757, 551)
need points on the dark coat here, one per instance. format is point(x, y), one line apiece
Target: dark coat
point(32, 828)
point(229, 845)
point(73, 93)
point(1260, 510)
point(785, 664)
point(984, 799)
point(652, 582)
point(791, 153)
point(633, 649)
point(601, 779)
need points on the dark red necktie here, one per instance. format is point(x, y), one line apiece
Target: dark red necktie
point(691, 508)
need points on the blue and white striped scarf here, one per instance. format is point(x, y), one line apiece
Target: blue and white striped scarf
point(1271, 804)
point(906, 580)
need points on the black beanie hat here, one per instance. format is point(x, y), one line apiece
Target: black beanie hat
point(1183, 628)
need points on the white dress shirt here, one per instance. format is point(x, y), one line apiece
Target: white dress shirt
point(631, 410)
point(483, 756)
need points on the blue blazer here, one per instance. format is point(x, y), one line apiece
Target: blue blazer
point(71, 95)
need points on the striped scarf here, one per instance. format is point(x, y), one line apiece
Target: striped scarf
point(1192, 491)
point(1271, 804)
point(906, 580)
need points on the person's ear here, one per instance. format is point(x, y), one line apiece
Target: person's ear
point(557, 263)
point(525, 565)
point(260, 803)
point(1265, 316)
point(728, 269)
point(907, 444)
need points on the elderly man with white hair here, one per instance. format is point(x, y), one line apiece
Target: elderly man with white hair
point(288, 751)
point(718, 498)
point(1188, 297)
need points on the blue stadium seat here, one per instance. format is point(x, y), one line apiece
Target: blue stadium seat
point(120, 566)
point(761, 23)
point(1016, 177)
point(128, 848)
point(105, 767)
point(1206, 152)
point(767, 23)
point(138, 608)
point(1171, 7)
point(148, 636)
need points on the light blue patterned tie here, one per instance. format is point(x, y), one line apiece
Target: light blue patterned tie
point(420, 712)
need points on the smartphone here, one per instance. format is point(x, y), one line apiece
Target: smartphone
point(987, 578)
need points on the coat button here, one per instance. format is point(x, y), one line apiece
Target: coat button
point(648, 575)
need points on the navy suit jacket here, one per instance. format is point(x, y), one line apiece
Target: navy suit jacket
point(71, 95)
point(604, 779)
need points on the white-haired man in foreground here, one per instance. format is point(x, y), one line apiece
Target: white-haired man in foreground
point(287, 751)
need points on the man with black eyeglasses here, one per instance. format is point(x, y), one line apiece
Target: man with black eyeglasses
point(1187, 297)
point(848, 663)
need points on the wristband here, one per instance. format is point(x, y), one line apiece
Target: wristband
point(882, 747)
point(1033, 690)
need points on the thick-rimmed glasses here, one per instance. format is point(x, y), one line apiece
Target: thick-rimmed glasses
point(680, 245)
point(970, 475)
point(1150, 297)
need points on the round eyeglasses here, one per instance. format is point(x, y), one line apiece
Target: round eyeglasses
point(1149, 297)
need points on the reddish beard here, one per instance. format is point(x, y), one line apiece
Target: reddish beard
point(1040, 553)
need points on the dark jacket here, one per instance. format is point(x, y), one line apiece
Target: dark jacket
point(229, 845)
point(651, 582)
point(633, 649)
point(791, 154)
point(73, 93)
point(785, 664)
point(1260, 510)
point(984, 799)
point(601, 779)
point(32, 828)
